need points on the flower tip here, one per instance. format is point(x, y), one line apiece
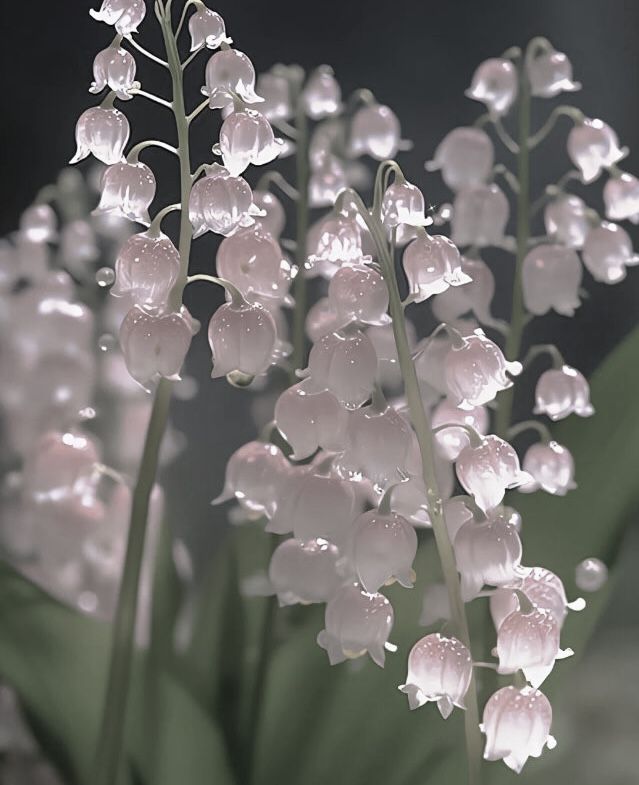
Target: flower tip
point(514, 368)
point(577, 605)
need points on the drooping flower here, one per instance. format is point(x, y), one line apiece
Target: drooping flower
point(562, 391)
point(220, 203)
point(252, 260)
point(592, 146)
point(114, 67)
point(322, 96)
point(621, 197)
point(550, 73)
point(474, 297)
point(551, 277)
point(494, 83)
point(356, 623)
point(242, 338)
point(566, 220)
point(383, 549)
point(146, 269)
point(207, 28)
point(246, 138)
point(607, 252)
point(591, 574)
point(229, 73)
point(103, 133)
point(432, 264)
point(327, 180)
point(304, 572)
point(358, 293)
point(476, 371)
point(453, 440)
point(551, 467)
point(517, 726)
point(480, 215)
point(127, 190)
point(38, 223)
point(124, 15)
point(465, 157)
point(403, 203)
point(439, 669)
point(338, 241)
point(375, 131)
point(275, 88)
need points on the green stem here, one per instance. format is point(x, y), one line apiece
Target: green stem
point(517, 319)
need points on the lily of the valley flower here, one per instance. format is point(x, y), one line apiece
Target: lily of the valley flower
point(124, 15)
point(322, 95)
point(305, 572)
point(220, 203)
point(114, 67)
point(480, 215)
point(593, 146)
point(432, 264)
point(551, 277)
point(246, 137)
point(229, 73)
point(561, 392)
point(358, 293)
point(550, 73)
point(621, 197)
point(566, 220)
point(551, 467)
point(465, 157)
point(252, 260)
point(146, 269)
point(383, 549)
point(494, 83)
point(242, 338)
point(403, 203)
point(207, 28)
point(453, 440)
point(103, 133)
point(607, 251)
point(375, 131)
point(127, 190)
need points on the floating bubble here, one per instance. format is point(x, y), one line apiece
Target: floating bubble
point(591, 574)
point(104, 277)
point(106, 342)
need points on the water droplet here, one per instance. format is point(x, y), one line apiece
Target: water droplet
point(105, 277)
point(106, 342)
point(591, 574)
point(88, 413)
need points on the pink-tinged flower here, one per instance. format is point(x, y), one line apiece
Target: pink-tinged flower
point(465, 157)
point(357, 293)
point(321, 320)
point(457, 511)
point(621, 197)
point(275, 88)
point(550, 73)
point(38, 223)
point(476, 371)
point(242, 338)
point(607, 251)
point(254, 475)
point(127, 190)
point(382, 550)
point(551, 467)
point(488, 553)
point(273, 217)
point(432, 264)
point(440, 670)
point(322, 96)
point(337, 239)
point(327, 180)
point(409, 499)
point(305, 572)
point(246, 138)
point(102, 133)
point(252, 260)
point(593, 146)
point(566, 220)
point(551, 277)
point(375, 131)
point(114, 68)
point(207, 28)
point(124, 15)
point(146, 269)
point(474, 297)
point(480, 215)
point(517, 726)
point(229, 73)
point(220, 203)
point(494, 83)
point(591, 574)
point(453, 440)
point(403, 203)
point(356, 623)
point(562, 391)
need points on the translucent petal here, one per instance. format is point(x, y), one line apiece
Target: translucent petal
point(127, 190)
point(102, 133)
point(242, 338)
point(146, 269)
point(551, 278)
point(494, 83)
point(465, 157)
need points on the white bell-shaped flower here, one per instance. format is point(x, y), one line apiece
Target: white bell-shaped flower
point(488, 553)
point(440, 670)
point(229, 73)
point(358, 293)
point(621, 197)
point(551, 467)
point(275, 88)
point(383, 549)
point(488, 470)
point(327, 180)
point(207, 28)
point(566, 220)
point(517, 726)
point(474, 297)
point(336, 240)
point(310, 420)
point(403, 203)
point(494, 83)
point(410, 500)
point(476, 371)
point(124, 15)
point(253, 262)
point(453, 440)
point(155, 346)
point(551, 277)
point(465, 157)
point(346, 365)
point(220, 203)
point(607, 252)
point(127, 190)
point(356, 623)
point(305, 572)
point(114, 68)
point(314, 505)
point(246, 138)
point(322, 95)
point(146, 270)
point(550, 73)
point(529, 642)
point(562, 391)
point(592, 146)
point(242, 338)
point(375, 131)
point(480, 215)
point(432, 264)
point(103, 133)
point(274, 218)
point(38, 223)
point(591, 574)
point(254, 475)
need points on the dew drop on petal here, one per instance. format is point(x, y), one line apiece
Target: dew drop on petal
point(104, 277)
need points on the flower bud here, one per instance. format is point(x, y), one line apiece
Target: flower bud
point(476, 371)
point(38, 223)
point(322, 96)
point(551, 467)
point(274, 218)
point(475, 296)
point(242, 338)
point(562, 391)
point(494, 83)
point(207, 28)
point(346, 365)
point(229, 73)
point(124, 15)
point(566, 220)
point(621, 197)
point(102, 133)
point(220, 203)
point(607, 252)
point(114, 68)
point(465, 157)
point(276, 91)
point(403, 203)
point(356, 623)
point(593, 146)
point(517, 726)
point(439, 669)
point(550, 73)
point(327, 180)
point(246, 137)
point(304, 572)
point(253, 262)
point(358, 293)
point(551, 277)
point(432, 264)
point(480, 215)
point(383, 550)
point(146, 269)
point(375, 131)
point(591, 575)
point(127, 190)
point(453, 440)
